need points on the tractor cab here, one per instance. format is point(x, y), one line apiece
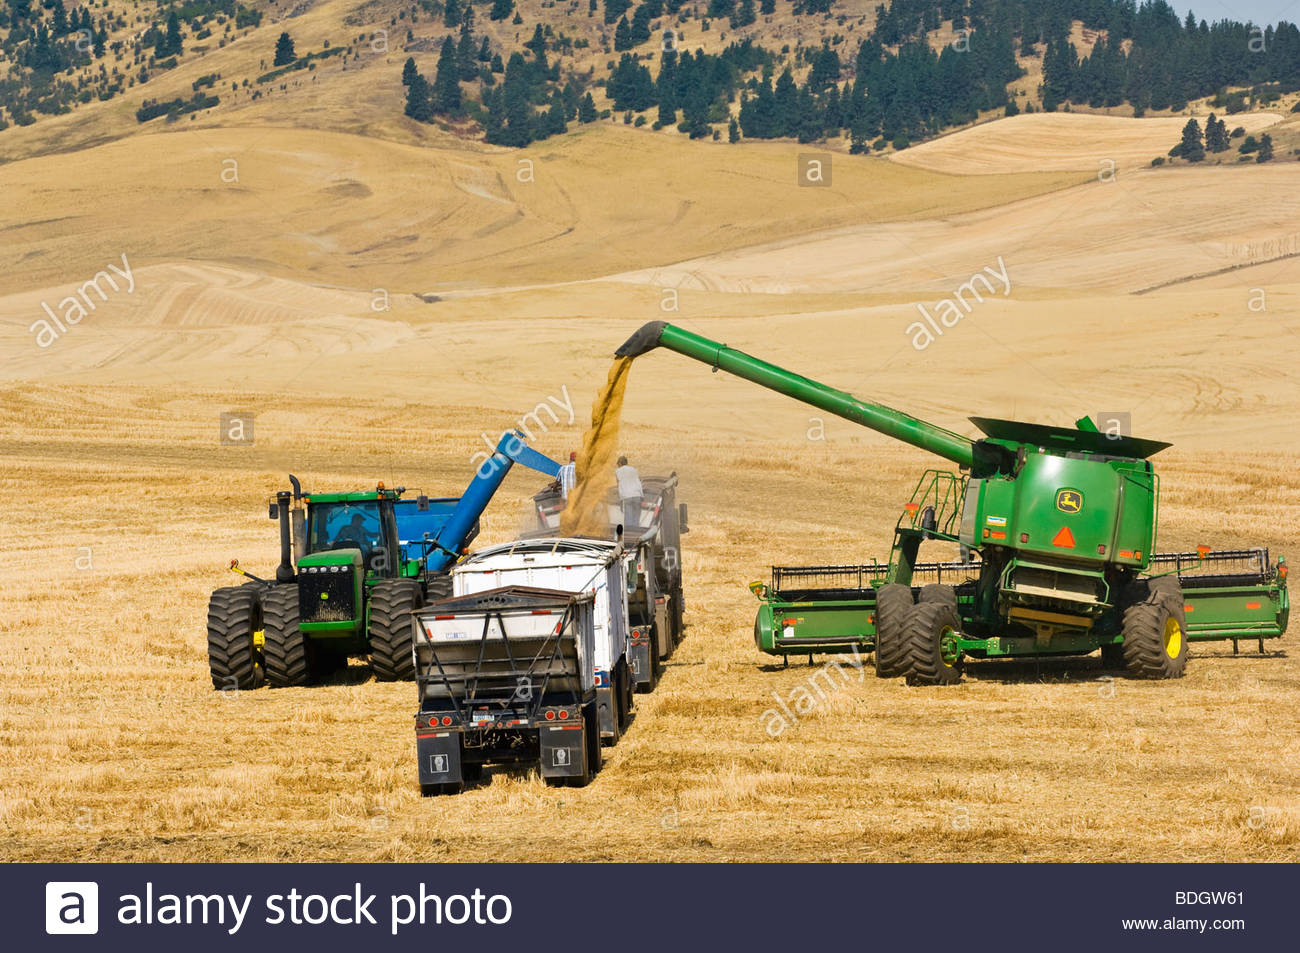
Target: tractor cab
point(356, 521)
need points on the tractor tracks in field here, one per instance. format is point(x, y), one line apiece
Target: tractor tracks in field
point(1227, 269)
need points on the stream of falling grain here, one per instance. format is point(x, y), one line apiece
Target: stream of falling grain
point(585, 513)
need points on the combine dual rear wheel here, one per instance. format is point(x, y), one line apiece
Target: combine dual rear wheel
point(1155, 629)
point(392, 629)
point(234, 619)
point(932, 629)
point(893, 603)
point(289, 655)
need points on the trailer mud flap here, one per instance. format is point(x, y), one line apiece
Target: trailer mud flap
point(563, 751)
point(439, 758)
point(607, 709)
point(639, 662)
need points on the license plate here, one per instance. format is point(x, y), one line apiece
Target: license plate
point(481, 716)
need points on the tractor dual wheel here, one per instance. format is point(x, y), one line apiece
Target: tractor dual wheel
point(893, 603)
point(1155, 629)
point(290, 656)
point(234, 626)
point(392, 629)
point(934, 658)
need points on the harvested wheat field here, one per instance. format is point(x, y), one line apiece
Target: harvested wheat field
point(377, 332)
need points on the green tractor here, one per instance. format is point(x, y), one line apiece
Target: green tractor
point(365, 561)
point(351, 595)
point(1054, 529)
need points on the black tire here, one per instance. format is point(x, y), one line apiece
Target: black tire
point(929, 624)
point(290, 658)
point(591, 736)
point(392, 629)
point(234, 615)
point(938, 593)
point(679, 615)
point(893, 603)
point(656, 664)
point(437, 586)
point(623, 693)
point(1155, 629)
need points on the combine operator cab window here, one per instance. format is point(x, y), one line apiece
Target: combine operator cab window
point(346, 526)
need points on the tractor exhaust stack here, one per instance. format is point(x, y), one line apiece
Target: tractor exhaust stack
point(284, 572)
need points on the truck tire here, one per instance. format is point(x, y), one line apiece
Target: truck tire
point(234, 615)
point(1155, 629)
point(591, 736)
point(623, 693)
point(938, 593)
point(931, 660)
point(893, 603)
point(392, 629)
point(288, 653)
point(437, 586)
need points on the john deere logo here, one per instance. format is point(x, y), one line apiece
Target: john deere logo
point(1069, 501)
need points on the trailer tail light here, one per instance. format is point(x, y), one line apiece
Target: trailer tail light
point(442, 618)
point(550, 716)
point(542, 612)
point(446, 719)
point(564, 713)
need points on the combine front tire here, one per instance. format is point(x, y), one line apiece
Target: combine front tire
point(286, 650)
point(234, 617)
point(1155, 629)
point(392, 629)
point(893, 603)
point(932, 629)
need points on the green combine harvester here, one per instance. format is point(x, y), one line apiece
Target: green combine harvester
point(1052, 530)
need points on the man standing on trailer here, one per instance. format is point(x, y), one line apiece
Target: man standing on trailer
point(629, 493)
point(568, 474)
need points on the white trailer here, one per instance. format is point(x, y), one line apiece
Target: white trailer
point(506, 676)
point(577, 565)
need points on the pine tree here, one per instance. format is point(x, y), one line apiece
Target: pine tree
point(446, 82)
point(641, 25)
point(418, 104)
point(1191, 148)
point(587, 111)
point(409, 72)
point(451, 13)
point(614, 9)
point(284, 53)
point(467, 54)
point(623, 36)
point(101, 40)
point(733, 130)
point(501, 9)
point(1265, 148)
point(1216, 135)
point(767, 7)
point(173, 34)
point(485, 52)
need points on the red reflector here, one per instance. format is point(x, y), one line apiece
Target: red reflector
point(541, 612)
point(998, 534)
point(1064, 539)
point(789, 621)
point(1252, 605)
point(564, 714)
point(1188, 608)
point(1101, 550)
point(550, 716)
point(911, 507)
point(1024, 537)
point(446, 719)
point(442, 618)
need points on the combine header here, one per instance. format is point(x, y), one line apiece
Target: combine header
point(1055, 529)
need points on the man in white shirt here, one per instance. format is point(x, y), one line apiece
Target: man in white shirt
point(629, 493)
point(568, 474)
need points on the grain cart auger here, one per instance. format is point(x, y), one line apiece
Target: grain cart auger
point(1055, 527)
point(364, 562)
